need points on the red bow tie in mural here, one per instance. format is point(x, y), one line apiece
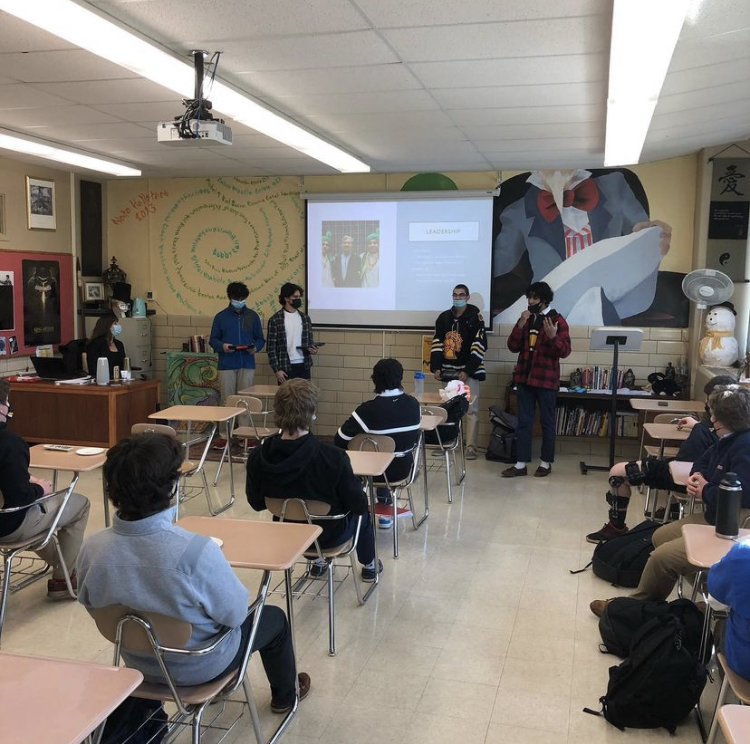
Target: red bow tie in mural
point(584, 196)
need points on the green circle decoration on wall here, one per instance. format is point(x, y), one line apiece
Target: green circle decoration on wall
point(430, 182)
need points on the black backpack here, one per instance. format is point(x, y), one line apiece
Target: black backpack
point(622, 559)
point(456, 407)
point(502, 446)
point(625, 616)
point(659, 683)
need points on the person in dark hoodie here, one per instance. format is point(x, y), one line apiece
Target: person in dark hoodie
point(296, 463)
point(457, 353)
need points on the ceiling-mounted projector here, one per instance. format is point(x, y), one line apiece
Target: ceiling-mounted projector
point(196, 125)
point(201, 133)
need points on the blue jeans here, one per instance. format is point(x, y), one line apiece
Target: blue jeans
point(528, 398)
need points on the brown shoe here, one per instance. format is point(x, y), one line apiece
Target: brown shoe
point(513, 472)
point(598, 606)
point(303, 679)
point(58, 589)
point(541, 472)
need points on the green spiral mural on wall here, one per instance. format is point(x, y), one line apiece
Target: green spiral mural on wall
point(232, 229)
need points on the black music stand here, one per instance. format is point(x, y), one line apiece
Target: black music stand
point(616, 338)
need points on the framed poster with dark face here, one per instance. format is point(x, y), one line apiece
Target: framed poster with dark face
point(41, 302)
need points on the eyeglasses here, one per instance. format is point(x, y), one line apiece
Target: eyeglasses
point(460, 296)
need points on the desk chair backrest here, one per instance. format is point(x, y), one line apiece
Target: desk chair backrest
point(150, 428)
point(665, 418)
point(372, 443)
point(298, 509)
point(248, 402)
point(167, 631)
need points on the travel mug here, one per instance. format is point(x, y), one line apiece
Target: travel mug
point(728, 507)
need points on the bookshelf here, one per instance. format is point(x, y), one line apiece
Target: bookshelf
point(586, 415)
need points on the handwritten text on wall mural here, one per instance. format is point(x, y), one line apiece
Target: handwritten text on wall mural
point(232, 229)
point(139, 206)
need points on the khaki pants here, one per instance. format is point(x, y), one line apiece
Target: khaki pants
point(669, 561)
point(471, 420)
point(70, 531)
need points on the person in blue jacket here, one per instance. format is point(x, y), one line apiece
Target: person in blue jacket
point(236, 336)
point(729, 582)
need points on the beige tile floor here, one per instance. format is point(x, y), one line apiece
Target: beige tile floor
point(477, 634)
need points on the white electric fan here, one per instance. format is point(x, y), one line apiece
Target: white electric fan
point(707, 287)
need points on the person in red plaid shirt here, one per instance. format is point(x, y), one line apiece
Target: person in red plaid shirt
point(541, 339)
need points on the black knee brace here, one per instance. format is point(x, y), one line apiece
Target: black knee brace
point(635, 473)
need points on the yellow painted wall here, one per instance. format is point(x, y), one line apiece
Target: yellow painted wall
point(17, 236)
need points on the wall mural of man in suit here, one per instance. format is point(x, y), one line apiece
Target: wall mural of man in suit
point(547, 217)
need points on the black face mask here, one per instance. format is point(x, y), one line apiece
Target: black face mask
point(534, 309)
point(297, 304)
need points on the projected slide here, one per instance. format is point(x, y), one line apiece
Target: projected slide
point(394, 263)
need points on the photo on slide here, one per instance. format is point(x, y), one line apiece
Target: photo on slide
point(350, 253)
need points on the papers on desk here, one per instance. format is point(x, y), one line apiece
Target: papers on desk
point(76, 381)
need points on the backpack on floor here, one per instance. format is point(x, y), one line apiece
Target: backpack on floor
point(621, 560)
point(502, 445)
point(659, 683)
point(625, 616)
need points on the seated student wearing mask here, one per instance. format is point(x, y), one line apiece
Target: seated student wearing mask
point(296, 463)
point(18, 488)
point(392, 413)
point(730, 417)
point(146, 562)
point(104, 343)
point(654, 472)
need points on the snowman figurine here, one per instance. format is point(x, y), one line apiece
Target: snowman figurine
point(719, 346)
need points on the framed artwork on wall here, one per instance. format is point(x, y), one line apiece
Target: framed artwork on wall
point(93, 291)
point(40, 204)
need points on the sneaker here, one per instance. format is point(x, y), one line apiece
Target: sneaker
point(385, 523)
point(470, 453)
point(58, 589)
point(606, 533)
point(368, 574)
point(318, 570)
point(303, 679)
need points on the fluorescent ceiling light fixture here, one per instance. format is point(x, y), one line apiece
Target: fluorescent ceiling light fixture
point(644, 36)
point(48, 151)
point(102, 36)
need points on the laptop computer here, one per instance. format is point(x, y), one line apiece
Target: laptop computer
point(53, 368)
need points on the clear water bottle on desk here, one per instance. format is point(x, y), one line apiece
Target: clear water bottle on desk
point(418, 384)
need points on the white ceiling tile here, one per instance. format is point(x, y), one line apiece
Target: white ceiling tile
point(484, 41)
point(58, 116)
point(92, 92)
point(573, 68)
point(80, 134)
point(19, 96)
point(351, 49)
point(151, 112)
point(552, 144)
point(180, 20)
point(527, 115)
point(390, 121)
point(337, 80)
point(707, 76)
point(73, 64)
point(716, 19)
point(19, 36)
point(702, 116)
point(726, 47)
point(510, 96)
point(429, 12)
point(712, 96)
point(312, 104)
point(533, 132)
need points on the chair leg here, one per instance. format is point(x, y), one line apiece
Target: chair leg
point(221, 462)
point(394, 498)
point(719, 703)
point(355, 579)
point(254, 717)
point(7, 565)
point(331, 613)
point(208, 492)
point(448, 475)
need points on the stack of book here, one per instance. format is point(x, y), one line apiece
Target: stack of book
point(576, 421)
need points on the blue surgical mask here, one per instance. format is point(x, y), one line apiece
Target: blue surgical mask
point(116, 329)
point(238, 304)
point(459, 303)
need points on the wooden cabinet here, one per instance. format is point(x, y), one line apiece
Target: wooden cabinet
point(85, 415)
